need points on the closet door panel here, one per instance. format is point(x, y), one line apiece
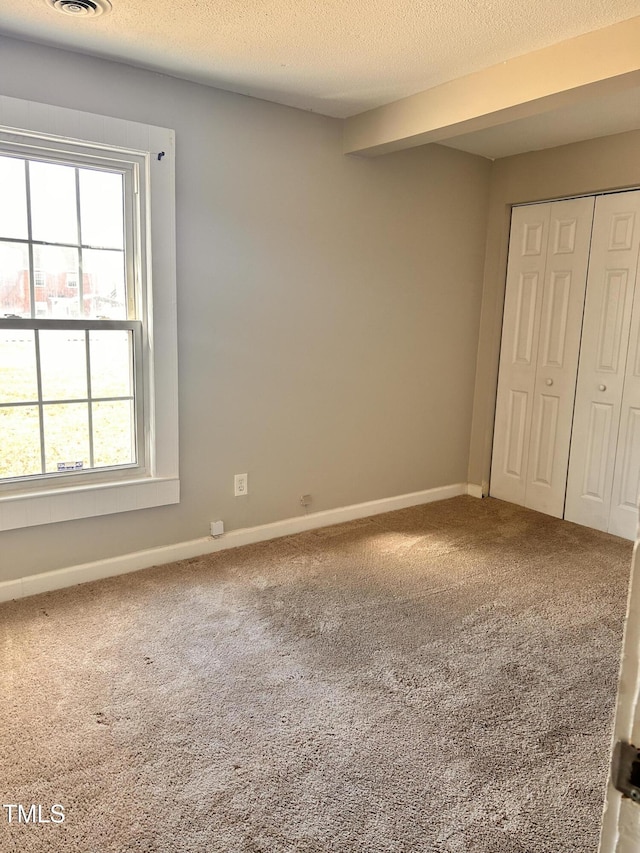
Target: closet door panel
point(558, 351)
point(623, 518)
point(518, 354)
point(603, 359)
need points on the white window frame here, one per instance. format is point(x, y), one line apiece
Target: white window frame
point(157, 483)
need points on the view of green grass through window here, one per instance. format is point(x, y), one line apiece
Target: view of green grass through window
point(67, 340)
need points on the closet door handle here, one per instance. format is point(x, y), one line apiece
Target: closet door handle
point(549, 381)
point(602, 387)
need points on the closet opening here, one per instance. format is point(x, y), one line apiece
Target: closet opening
point(567, 425)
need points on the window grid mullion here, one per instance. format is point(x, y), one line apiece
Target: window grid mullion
point(32, 272)
point(25, 403)
point(79, 226)
point(61, 245)
point(89, 400)
point(69, 325)
point(40, 405)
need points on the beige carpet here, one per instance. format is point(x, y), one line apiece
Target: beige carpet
point(437, 679)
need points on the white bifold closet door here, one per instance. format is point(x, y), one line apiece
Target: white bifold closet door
point(604, 465)
point(544, 301)
point(623, 518)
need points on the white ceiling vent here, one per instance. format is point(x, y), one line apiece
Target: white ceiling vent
point(81, 8)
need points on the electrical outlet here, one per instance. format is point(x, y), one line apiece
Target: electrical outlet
point(305, 500)
point(241, 485)
point(217, 528)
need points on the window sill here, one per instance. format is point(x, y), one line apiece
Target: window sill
point(66, 504)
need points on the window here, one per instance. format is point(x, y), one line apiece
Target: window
point(82, 410)
point(70, 342)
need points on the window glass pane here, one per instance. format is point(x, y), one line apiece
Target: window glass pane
point(56, 281)
point(113, 433)
point(13, 192)
point(66, 437)
point(63, 364)
point(54, 213)
point(62, 257)
point(104, 284)
point(111, 361)
point(20, 441)
point(18, 378)
point(101, 209)
point(14, 280)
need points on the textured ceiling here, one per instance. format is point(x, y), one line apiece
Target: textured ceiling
point(337, 57)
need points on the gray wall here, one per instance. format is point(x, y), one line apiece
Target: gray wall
point(328, 308)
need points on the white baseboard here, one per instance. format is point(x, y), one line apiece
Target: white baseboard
point(47, 581)
point(474, 490)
